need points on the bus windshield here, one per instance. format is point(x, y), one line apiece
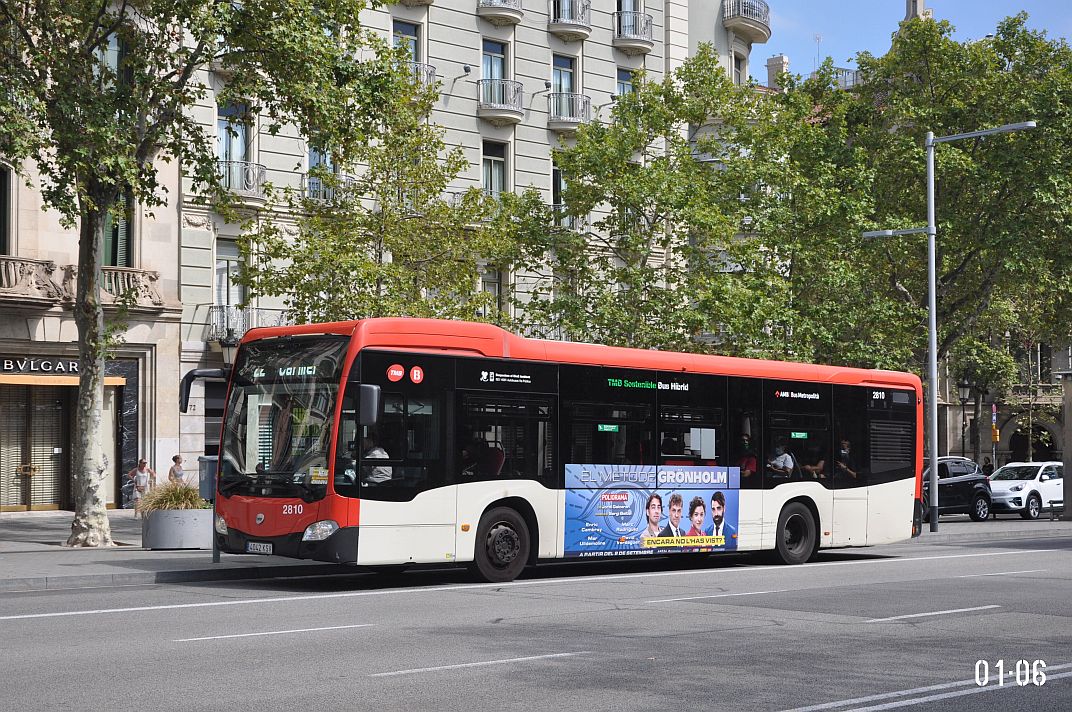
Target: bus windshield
point(279, 414)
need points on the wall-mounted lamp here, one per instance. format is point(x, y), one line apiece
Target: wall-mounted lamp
point(466, 68)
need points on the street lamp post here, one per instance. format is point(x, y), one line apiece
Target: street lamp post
point(964, 392)
point(932, 310)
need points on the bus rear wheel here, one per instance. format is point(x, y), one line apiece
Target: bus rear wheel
point(797, 536)
point(502, 546)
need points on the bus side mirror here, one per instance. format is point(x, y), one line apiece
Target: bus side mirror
point(369, 408)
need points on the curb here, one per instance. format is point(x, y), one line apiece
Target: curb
point(44, 583)
point(939, 538)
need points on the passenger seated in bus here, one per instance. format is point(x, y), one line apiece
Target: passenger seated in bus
point(814, 464)
point(781, 464)
point(747, 460)
point(472, 453)
point(374, 474)
point(671, 445)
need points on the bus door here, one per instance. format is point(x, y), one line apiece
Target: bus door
point(850, 467)
point(891, 422)
point(399, 469)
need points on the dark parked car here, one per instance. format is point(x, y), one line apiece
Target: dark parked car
point(962, 488)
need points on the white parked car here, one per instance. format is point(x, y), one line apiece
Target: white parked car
point(1027, 487)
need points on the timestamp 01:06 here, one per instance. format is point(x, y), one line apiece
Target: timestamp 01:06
point(1023, 672)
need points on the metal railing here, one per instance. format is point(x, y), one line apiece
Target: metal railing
point(325, 190)
point(226, 321)
point(243, 177)
point(632, 25)
point(751, 9)
point(568, 106)
point(565, 221)
point(423, 75)
point(501, 94)
point(570, 12)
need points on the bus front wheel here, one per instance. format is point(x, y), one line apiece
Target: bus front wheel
point(502, 546)
point(797, 536)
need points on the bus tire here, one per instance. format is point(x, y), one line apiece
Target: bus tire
point(502, 546)
point(797, 536)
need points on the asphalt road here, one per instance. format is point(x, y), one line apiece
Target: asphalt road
point(899, 627)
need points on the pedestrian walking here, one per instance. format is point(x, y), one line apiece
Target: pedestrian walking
point(144, 479)
point(176, 474)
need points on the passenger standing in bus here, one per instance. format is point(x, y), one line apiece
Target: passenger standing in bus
point(815, 463)
point(843, 463)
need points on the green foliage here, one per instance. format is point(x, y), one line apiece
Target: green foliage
point(645, 237)
point(987, 368)
point(385, 238)
point(171, 495)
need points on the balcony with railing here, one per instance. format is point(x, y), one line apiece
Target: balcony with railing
point(126, 287)
point(570, 20)
point(567, 110)
point(243, 178)
point(414, 3)
point(749, 19)
point(327, 190)
point(423, 75)
point(25, 282)
point(229, 322)
point(500, 12)
point(632, 32)
point(565, 221)
point(501, 101)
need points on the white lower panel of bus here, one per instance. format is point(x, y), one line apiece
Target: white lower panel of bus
point(889, 511)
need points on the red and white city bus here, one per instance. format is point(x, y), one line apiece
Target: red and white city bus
point(398, 441)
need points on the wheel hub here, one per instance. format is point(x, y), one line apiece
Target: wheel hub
point(503, 544)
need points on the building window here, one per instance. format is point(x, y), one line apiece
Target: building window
point(491, 284)
point(407, 35)
point(494, 168)
point(315, 186)
point(232, 133)
point(228, 267)
point(6, 213)
point(118, 238)
point(562, 74)
point(625, 82)
point(494, 60)
point(738, 70)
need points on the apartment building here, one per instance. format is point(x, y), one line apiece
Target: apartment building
point(516, 78)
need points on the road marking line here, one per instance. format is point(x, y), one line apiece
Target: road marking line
point(571, 581)
point(933, 613)
point(480, 664)
point(914, 691)
point(948, 695)
point(718, 595)
point(272, 632)
point(1005, 573)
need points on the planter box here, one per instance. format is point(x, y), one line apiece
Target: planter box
point(177, 529)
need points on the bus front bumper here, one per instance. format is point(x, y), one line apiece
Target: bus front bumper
point(339, 548)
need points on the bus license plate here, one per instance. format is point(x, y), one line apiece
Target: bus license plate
point(258, 547)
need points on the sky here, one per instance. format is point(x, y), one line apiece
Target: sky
point(850, 26)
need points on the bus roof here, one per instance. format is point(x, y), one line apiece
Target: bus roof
point(488, 340)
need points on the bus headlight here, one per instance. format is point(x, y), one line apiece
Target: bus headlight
point(319, 531)
point(221, 525)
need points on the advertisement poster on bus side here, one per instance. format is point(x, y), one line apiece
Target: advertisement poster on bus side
point(628, 510)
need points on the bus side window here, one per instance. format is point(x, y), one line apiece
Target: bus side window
point(506, 437)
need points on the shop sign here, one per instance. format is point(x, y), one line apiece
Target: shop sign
point(28, 364)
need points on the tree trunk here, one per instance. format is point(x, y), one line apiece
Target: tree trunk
point(90, 526)
point(977, 412)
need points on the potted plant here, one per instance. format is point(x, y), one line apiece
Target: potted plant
point(174, 516)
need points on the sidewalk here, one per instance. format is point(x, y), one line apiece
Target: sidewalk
point(33, 558)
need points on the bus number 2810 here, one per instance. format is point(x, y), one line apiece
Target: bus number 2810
point(292, 509)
